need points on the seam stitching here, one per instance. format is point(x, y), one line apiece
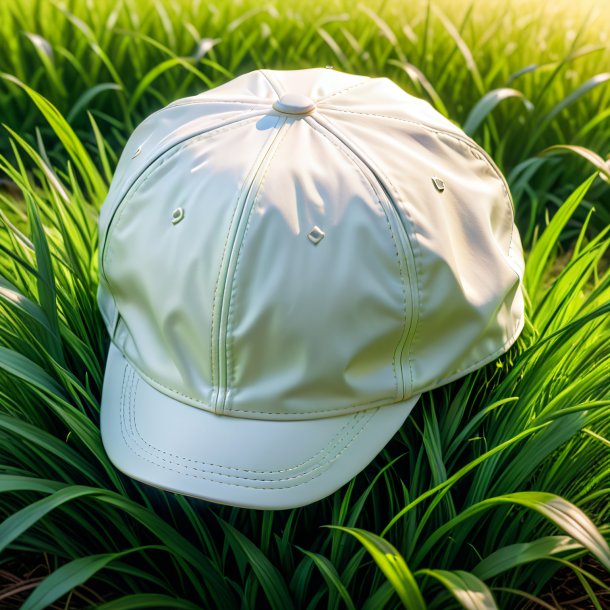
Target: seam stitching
point(348, 153)
point(415, 250)
point(254, 167)
point(456, 374)
point(230, 349)
point(210, 100)
point(152, 169)
point(474, 146)
point(340, 435)
point(137, 450)
point(270, 81)
point(231, 309)
point(342, 411)
point(417, 253)
point(367, 79)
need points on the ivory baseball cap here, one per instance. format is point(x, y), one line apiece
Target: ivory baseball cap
point(287, 261)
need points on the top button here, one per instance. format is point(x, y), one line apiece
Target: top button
point(294, 103)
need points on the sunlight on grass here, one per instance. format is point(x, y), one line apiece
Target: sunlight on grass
point(494, 482)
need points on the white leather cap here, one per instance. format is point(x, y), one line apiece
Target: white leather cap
point(287, 261)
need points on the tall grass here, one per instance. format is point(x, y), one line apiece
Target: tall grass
point(494, 483)
point(519, 76)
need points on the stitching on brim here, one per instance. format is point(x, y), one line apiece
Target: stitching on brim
point(342, 432)
point(184, 472)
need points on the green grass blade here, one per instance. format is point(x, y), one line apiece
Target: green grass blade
point(565, 515)
point(268, 575)
point(85, 99)
point(69, 139)
point(391, 564)
point(12, 527)
point(587, 86)
point(469, 591)
point(50, 445)
point(44, 51)
point(148, 600)
point(591, 156)
point(330, 575)
point(513, 555)
point(45, 281)
point(540, 255)
point(16, 483)
point(17, 364)
point(11, 295)
point(73, 574)
point(487, 103)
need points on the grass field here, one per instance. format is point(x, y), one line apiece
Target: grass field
point(495, 489)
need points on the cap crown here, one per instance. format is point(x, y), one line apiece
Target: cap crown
point(269, 265)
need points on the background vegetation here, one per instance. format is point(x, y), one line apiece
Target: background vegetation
point(496, 484)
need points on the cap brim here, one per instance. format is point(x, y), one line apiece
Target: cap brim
point(263, 464)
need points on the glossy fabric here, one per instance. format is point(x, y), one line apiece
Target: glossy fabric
point(235, 315)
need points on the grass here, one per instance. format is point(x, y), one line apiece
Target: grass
point(501, 72)
point(494, 484)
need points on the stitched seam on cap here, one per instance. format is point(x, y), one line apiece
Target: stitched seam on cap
point(255, 165)
point(152, 169)
point(417, 262)
point(179, 102)
point(340, 436)
point(135, 449)
point(400, 270)
point(414, 307)
point(230, 351)
point(230, 344)
point(500, 350)
point(342, 411)
point(478, 155)
point(274, 85)
point(473, 145)
point(334, 93)
point(486, 360)
point(135, 188)
point(213, 100)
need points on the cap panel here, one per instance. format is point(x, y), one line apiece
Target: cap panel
point(158, 132)
point(313, 329)
point(161, 131)
point(469, 300)
point(381, 96)
point(164, 275)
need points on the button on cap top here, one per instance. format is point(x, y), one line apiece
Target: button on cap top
point(294, 103)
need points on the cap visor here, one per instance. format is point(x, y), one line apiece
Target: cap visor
point(264, 464)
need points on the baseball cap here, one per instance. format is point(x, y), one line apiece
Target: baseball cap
point(287, 262)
